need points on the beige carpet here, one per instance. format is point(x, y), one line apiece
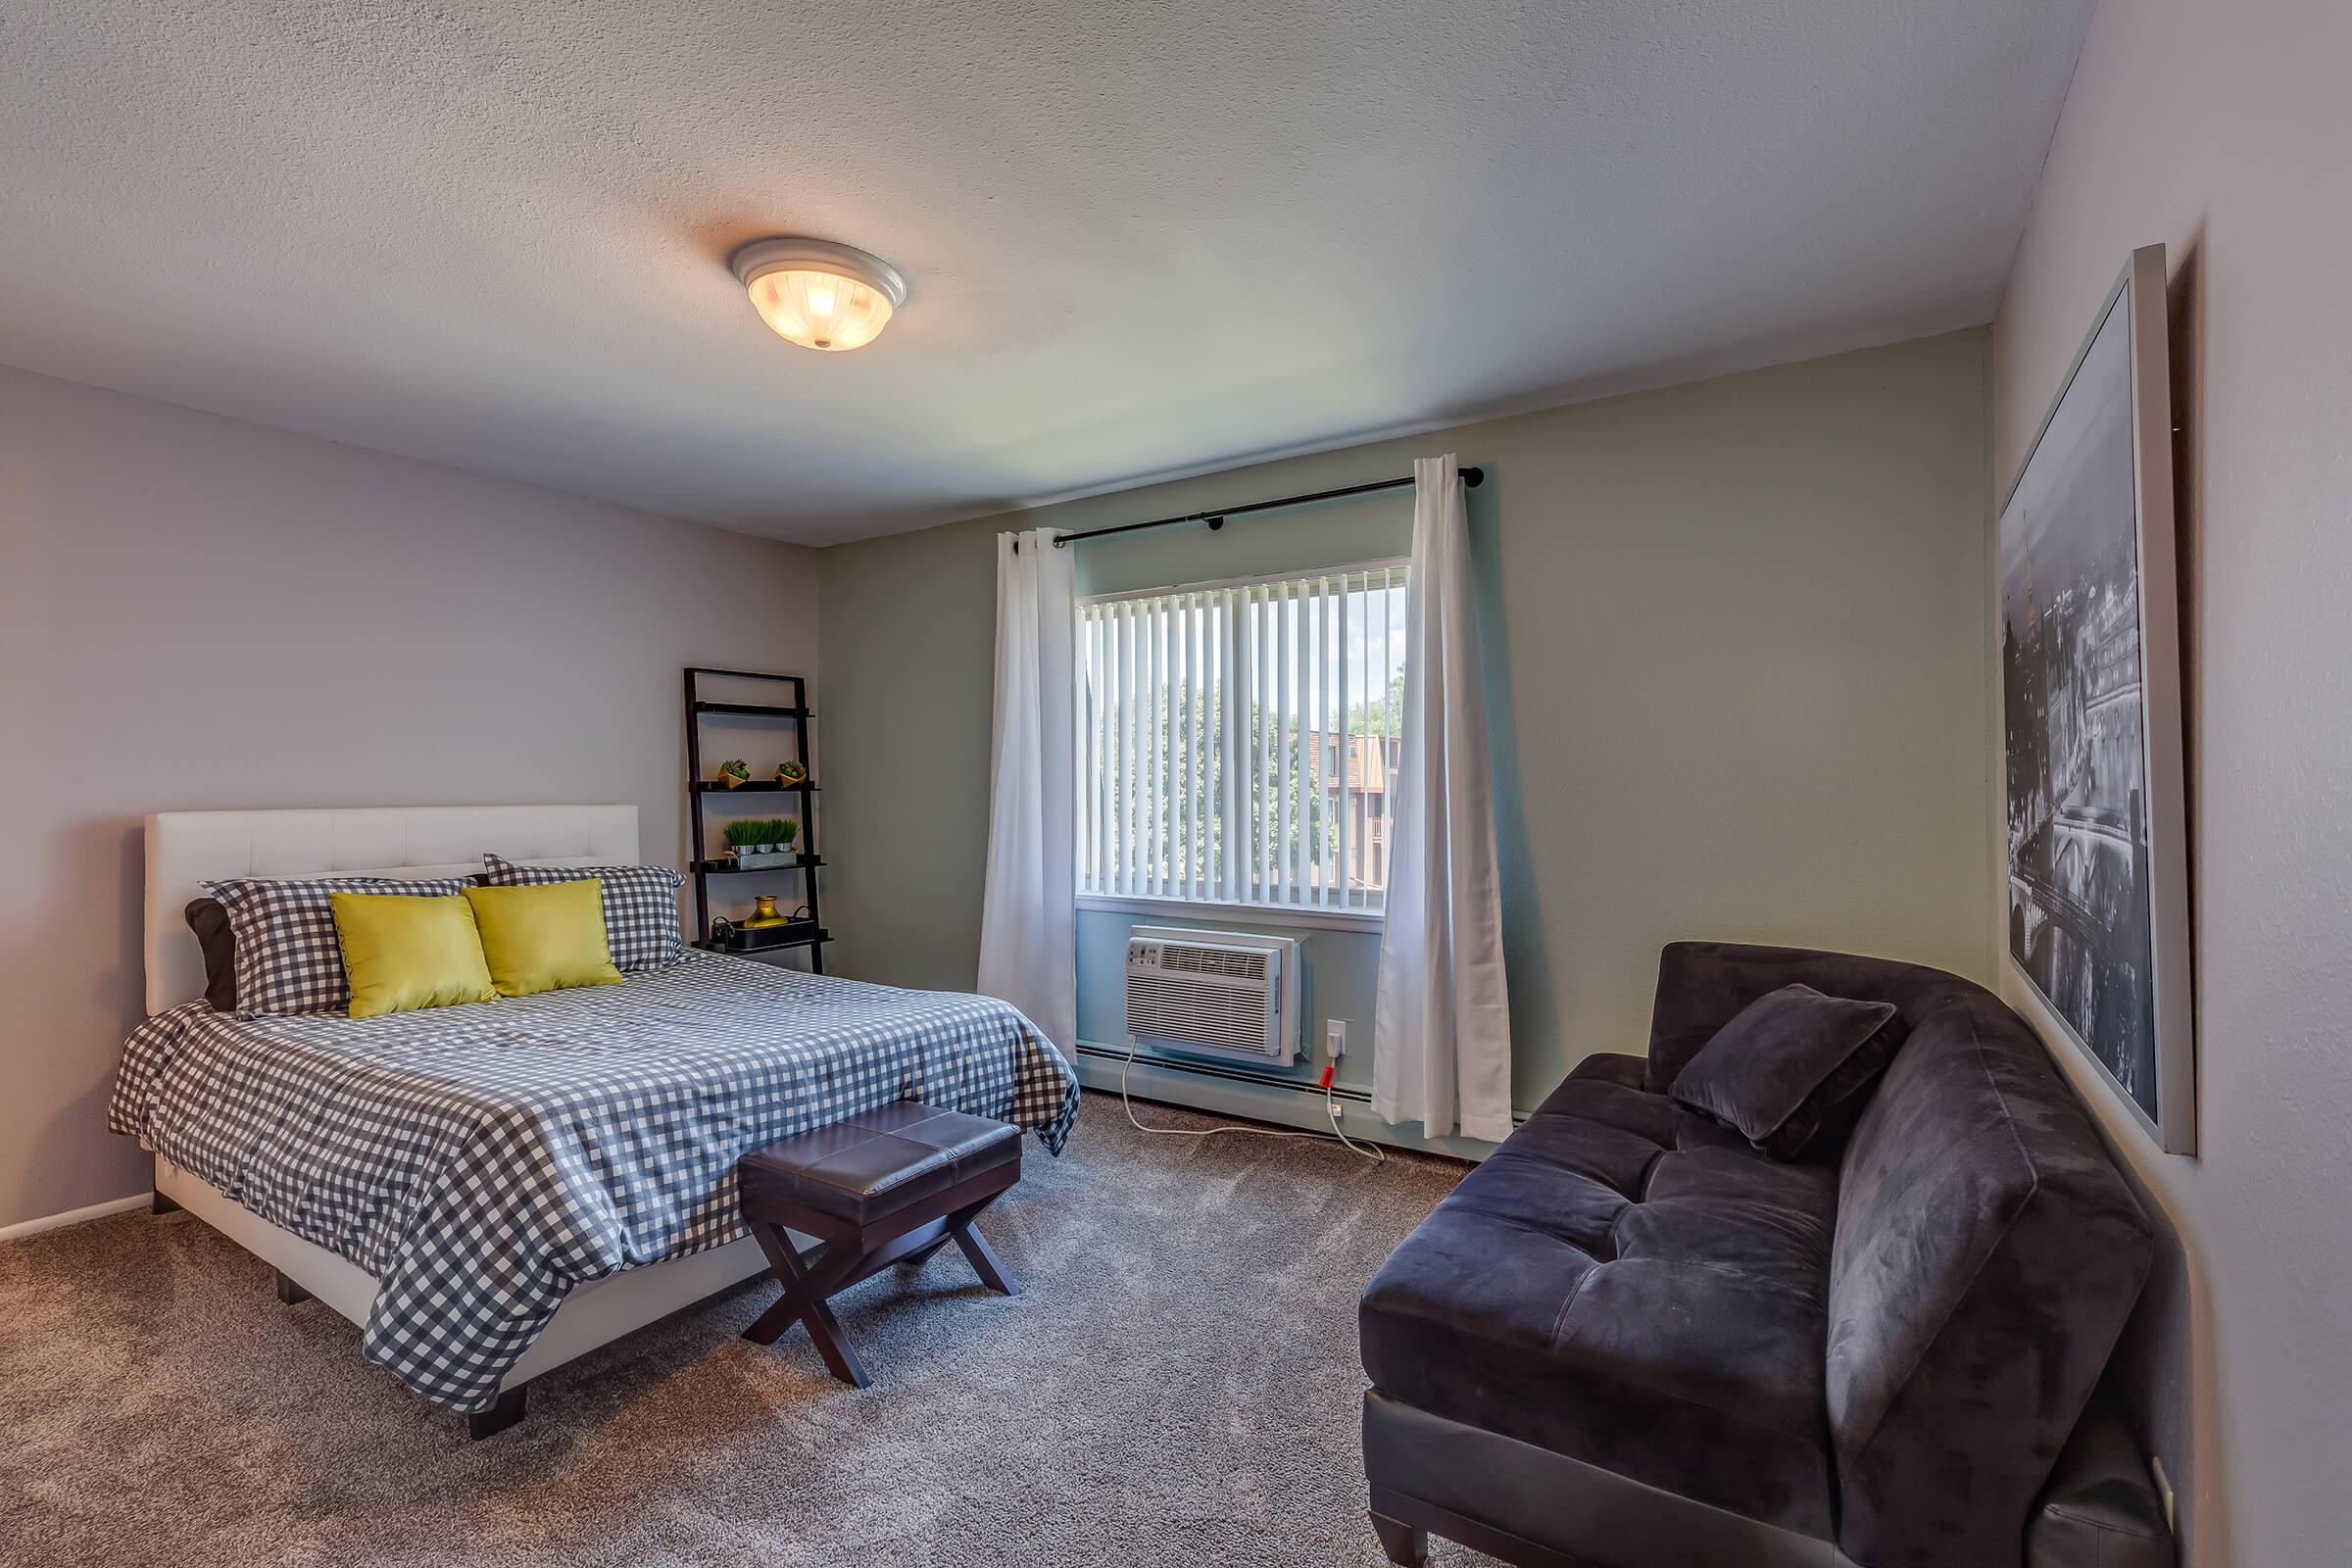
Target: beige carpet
point(1177, 1385)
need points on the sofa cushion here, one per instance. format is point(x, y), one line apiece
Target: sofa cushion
point(1631, 1284)
point(1790, 1062)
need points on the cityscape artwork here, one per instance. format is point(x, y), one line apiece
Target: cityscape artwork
point(2085, 856)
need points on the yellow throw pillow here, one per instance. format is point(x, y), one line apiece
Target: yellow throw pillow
point(545, 938)
point(404, 951)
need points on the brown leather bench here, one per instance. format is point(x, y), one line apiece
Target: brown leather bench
point(888, 1186)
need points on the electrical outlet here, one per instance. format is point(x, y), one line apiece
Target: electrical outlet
point(2164, 1492)
point(1335, 1037)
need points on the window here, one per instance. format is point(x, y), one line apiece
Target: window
point(1239, 741)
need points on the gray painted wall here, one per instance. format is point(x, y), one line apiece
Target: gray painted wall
point(200, 613)
point(2223, 132)
point(1737, 663)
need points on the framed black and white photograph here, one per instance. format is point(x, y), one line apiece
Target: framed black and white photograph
point(2090, 713)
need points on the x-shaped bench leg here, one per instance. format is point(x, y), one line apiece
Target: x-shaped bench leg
point(977, 1251)
point(974, 1247)
point(805, 1287)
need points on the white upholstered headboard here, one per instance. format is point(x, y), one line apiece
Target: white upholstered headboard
point(185, 849)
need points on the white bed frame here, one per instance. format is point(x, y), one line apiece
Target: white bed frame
point(185, 849)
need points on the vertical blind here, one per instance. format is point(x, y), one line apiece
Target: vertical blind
point(1239, 741)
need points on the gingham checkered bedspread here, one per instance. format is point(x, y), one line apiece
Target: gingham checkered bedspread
point(481, 1161)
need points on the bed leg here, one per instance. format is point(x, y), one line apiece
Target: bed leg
point(505, 1413)
point(158, 1203)
point(289, 1292)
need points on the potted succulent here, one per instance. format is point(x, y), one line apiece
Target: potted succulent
point(734, 773)
point(790, 772)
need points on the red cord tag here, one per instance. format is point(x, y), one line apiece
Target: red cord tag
point(1329, 1069)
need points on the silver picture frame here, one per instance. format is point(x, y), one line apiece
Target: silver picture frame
point(2096, 829)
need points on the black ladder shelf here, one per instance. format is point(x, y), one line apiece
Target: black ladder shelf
point(702, 784)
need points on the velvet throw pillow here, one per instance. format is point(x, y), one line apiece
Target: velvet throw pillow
point(1788, 1063)
point(549, 937)
point(402, 952)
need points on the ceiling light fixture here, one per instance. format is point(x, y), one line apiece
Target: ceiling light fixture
point(818, 294)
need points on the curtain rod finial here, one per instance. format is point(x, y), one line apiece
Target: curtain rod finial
point(1473, 476)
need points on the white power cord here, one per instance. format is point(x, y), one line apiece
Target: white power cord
point(1330, 1109)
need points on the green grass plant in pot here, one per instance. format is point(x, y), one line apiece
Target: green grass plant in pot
point(746, 838)
point(757, 838)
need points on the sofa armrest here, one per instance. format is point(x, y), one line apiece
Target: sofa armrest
point(1610, 1067)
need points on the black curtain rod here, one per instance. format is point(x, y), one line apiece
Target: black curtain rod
point(1215, 518)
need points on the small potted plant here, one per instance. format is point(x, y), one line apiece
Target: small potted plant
point(789, 773)
point(744, 840)
point(734, 773)
point(757, 838)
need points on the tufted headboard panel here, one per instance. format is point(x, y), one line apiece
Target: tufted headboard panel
point(186, 848)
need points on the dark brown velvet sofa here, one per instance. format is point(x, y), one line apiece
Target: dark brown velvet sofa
point(1631, 1339)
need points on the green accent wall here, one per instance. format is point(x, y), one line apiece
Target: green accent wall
point(1735, 667)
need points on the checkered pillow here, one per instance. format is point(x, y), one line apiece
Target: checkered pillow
point(641, 905)
point(288, 957)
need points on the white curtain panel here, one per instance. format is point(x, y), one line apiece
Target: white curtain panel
point(1029, 918)
point(1442, 1026)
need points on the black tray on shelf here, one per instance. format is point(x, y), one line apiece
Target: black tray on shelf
point(770, 938)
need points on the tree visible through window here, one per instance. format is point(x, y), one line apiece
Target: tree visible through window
point(1239, 741)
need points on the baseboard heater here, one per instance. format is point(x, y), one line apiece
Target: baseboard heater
point(1234, 1073)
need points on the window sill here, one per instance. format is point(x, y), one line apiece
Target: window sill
point(1237, 913)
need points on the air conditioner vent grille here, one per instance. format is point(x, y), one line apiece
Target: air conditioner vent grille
point(1214, 960)
point(1170, 1010)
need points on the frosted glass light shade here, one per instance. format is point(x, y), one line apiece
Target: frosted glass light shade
point(818, 294)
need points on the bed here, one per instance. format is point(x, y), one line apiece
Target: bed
point(491, 1190)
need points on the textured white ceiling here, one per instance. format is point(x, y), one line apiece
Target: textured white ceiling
point(1140, 238)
